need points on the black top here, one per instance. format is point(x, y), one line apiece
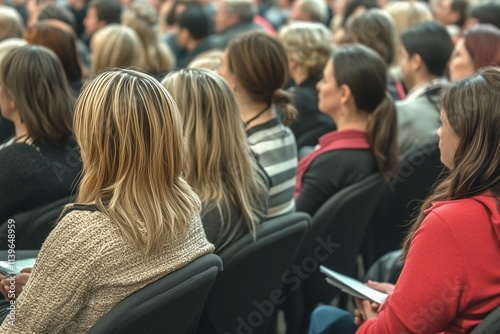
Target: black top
point(331, 172)
point(311, 123)
point(33, 176)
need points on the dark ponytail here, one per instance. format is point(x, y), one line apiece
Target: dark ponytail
point(382, 135)
point(282, 98)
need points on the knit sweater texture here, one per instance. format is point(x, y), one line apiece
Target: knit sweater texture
point(85, 267)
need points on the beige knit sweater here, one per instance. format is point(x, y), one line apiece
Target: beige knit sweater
point(85, 268)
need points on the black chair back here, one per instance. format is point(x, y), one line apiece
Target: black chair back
point(32, 227)
point(247, 293)
point(490, 324)
point(172, 304)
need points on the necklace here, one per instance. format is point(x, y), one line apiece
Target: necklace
point(247, 123)
point(17, 139)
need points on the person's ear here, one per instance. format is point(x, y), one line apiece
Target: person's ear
point(416, 62)
point(345, 94)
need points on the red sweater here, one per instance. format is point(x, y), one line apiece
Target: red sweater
point(451, 278)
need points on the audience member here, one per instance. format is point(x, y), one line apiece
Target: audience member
point(136, 219)
point(308, 46)
point(485, 13)
point(256, 68)
point(381, 37)
point(60, 38)
point(210, 60)
point(456, 237)
point(309, 11)
point(232, 19)
point(479, 47)
point(39, 164)
point(116, 46)
point(11, 23)
point(33, 8)
point(234, 198)
point(143, 18)
point(79, 10)
point(192, 36)
point(353, 8)
point(451, 12)
point(365, 142)
point(99, 14)
point(406, 14)
point(424, 54)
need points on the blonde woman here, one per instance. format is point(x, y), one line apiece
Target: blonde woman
point(225, 176)
point(143, 18)
point(115, 46)
point(137, 220)
point(308, 47)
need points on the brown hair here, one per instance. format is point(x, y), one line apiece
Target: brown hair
point(364, 72)
point(259, 62)
point(60, 38)
point(473, 112)
point(34, 77)
point(375, 29)
point(483, 44)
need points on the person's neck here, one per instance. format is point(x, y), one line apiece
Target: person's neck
point(358, 121)
point(20, 130)
point(250, 113)
point(299, 75)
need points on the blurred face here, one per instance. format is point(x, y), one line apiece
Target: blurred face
point(444, 13)
point(296, 12)
point(448, 141)
point(328, 92)
point(92, 22)
point(404, 63)
point(461, 63)
point(339, 6)
point(225, 73)
point(182, 38)
point(222, 19)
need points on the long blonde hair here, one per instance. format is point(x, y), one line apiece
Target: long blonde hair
point(143, 18)
point(130, 133)
point(218, 164)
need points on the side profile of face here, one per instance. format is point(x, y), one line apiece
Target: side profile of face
point(448, 141)
point(222, 18)
point(406, 67)
point(444, 13)
point(92, 23)
point(329, 92)
point(461, 63)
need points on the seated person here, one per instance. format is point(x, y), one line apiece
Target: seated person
point(356, 98)
point(41, 163)
point(256, 67)
point(308, 48)
point(136, 219)
point(448, 283)
point(233, 195)
point(424, 54)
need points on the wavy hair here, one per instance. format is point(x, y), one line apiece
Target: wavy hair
point(224, 175)
point(130, 133)
point(143, 18)
point(473, 110)
point(259, 62)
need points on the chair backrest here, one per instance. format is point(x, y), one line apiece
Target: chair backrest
point(339, 227)
point(172, 304)
point(247, 293)
point(490, 324)
point(32, 227)
point(418, 172)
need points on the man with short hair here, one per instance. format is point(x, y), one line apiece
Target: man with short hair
point(194, 28)
point(100, 13)
point(309, 11)
point(424, 54)
point(232, 19)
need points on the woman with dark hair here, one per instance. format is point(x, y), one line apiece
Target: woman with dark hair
point(355, 98)
point(479, 47)
point(60, 38)
point(256, 68)
point(449, 282)
point(39, 164)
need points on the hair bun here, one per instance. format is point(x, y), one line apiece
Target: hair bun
point(281, 96)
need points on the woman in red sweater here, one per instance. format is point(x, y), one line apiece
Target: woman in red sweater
point(449, 282)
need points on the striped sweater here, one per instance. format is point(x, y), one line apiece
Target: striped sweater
point(275, 149)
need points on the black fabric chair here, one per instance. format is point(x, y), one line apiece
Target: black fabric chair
point(32, 227)
point(490, 324)
point(401, 198)
point(386, 269)
point(334, 240)
point(170, 305)
point(247, 293)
